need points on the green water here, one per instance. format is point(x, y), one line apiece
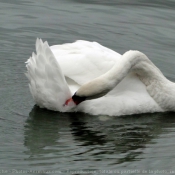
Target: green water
point(35, 140)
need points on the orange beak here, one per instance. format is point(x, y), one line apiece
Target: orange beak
point(68, 101)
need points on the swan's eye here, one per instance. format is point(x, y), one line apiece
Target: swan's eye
point(77, 99)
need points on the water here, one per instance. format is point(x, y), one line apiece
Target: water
point(39, 140)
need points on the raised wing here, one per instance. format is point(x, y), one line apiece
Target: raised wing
point(46, 81)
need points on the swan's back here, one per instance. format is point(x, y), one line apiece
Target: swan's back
point(83, 61)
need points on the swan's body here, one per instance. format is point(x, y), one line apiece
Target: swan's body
point(127, 84)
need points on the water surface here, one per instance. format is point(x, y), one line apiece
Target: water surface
point(35, 139)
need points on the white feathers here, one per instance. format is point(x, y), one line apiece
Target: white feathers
point(46, 81)
point(54, 71)
point(83, 61)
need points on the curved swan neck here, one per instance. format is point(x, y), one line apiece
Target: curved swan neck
point(131, 60)
point(139, 64)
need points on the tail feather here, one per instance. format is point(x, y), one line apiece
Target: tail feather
point(47, 83)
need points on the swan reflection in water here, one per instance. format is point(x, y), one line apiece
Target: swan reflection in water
point(78, 137)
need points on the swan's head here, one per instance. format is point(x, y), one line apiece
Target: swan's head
point(82, 94)
point(92, 90)
point(78, 99)
point(75, 99)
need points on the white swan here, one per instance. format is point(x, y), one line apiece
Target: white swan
point(104, 81)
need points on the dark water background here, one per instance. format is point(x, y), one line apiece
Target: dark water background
point(40, 140)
